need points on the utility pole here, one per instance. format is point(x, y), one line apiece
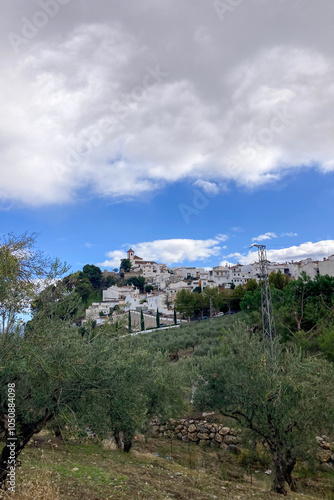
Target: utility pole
point(266, 302)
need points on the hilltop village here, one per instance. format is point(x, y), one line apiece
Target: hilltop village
point(152, 286)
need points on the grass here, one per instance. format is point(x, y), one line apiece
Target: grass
point(54, 470)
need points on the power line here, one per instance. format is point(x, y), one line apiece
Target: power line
point(268, 323)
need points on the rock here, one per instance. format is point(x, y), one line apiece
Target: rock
point(232, 448)
point(223, 446)
point(230, 439)
point(324, 455)
point(140, 438)
point(202, 428)
point(186, 423)
point(219, 438)
point(179, 435)
point(185, 438)
point(172, 421)
point(233, 432)
point(323, 442)
point(192, 428)
point(109, 444)
point(155, 430)
point(203, 435)
point(212, 435)
point(192, 436)
point(224, 431)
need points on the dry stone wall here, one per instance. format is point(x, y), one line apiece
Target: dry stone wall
point(197, 431)
point(212, 434)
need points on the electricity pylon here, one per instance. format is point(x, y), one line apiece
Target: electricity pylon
point(266, 302)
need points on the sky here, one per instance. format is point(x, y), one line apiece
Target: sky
point(186, 129)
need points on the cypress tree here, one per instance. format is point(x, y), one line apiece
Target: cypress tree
point(175, 320)
point(129, 321)
point(158, 319)
point(142, 322)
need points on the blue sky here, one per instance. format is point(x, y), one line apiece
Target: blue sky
point(187, 130)
point(84, 232)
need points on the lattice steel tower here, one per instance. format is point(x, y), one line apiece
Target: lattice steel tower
point(266, 302)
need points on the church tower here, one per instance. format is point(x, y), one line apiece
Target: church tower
point(130, 254)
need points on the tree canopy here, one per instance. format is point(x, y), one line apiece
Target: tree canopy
point(125, 265)
point(282, 397)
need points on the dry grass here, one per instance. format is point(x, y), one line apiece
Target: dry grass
point(41, 487)
point(88, 472)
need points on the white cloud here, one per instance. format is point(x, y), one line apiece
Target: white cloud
point(222, 237)
point(113, 259)
point(247, 115)
point(172, 251)
point(316, 251)
point(266, 236)
point(289, 235)
point(226, 263)
point(208, 187)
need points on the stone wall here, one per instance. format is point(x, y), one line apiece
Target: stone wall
point(217, 435)
point(197, 431)
point(326, 452)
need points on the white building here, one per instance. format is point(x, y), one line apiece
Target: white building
point(326, 266)
point(148, 268)
point(174, 288)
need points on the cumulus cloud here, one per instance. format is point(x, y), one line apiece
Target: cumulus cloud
point(114, 258)
point(104, 100)
point(316, 251)
point(172, 251)
point(266, 236)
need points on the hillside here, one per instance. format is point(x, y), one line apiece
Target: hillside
point(52, 470)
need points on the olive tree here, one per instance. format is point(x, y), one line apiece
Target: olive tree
point(59, 373)
point(139, 385)
point(283, 397)
point(23, 271)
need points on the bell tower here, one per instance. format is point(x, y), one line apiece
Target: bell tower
point(130, 254)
